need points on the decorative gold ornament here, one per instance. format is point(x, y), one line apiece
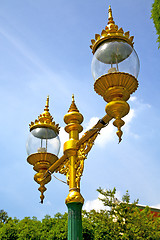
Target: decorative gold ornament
point(73, 119)
point(82, 155)
point(82, 152)
point(43, 160)
point(74, 196)
point(45, 120)
point(111, 32)
point(115, 86)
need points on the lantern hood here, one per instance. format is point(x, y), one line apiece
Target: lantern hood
point(45, 120)
point(111, 32)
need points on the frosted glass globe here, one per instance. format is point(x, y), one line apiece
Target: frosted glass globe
point(115, 56)
point(43, 140)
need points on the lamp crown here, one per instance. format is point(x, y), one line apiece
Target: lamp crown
point(45, 120)
point(111, 32)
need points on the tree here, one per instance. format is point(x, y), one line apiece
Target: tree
point(128, 222)
point(8, 230)
point(3, 216)
point(59, 231)
point(29, 228)
point(155, 15)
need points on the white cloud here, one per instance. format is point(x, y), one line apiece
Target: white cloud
point(139, 104)
point(128, 119)
point(91, 123)
point(97, 204)
point(108, 134)
point(132, 99)
point(94, 204)
point(156, 206)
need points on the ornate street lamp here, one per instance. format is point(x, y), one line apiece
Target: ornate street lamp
point(115, 68)
point(43, 146)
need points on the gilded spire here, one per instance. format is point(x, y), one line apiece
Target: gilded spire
point(45, 120)
point(73, 107)
point(110, 17)
point(73, 115)
point(72, 97)
point(47, 105)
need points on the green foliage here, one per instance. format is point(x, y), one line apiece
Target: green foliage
point(28, 229)
point(121, 221)
point(59, 231)
point(128, 222)
point(32, 229)
point(3, 216)
point(155, 15)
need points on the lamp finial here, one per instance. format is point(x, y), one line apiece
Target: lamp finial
point(47, 104)
point(73, 107)
point(110, 17)
point(72, 97)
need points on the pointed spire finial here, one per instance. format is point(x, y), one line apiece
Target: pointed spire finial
point(47, 104)
point(73, 118)
point(45, 119)
point(72, 97)
point(110, 17)
point(73, 107)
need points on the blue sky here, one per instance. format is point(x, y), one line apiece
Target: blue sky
point(44, 50)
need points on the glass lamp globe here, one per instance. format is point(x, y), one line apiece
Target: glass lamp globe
point(43, 140)
point(115, 56)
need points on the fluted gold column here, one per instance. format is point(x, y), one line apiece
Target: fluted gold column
point(73, 119)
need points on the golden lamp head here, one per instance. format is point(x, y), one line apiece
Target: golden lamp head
point(115, 68)
point(43, 146)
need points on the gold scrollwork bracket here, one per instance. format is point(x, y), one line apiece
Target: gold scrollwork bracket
point(83, 151)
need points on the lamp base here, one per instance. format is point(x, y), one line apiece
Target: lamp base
point(115, 88)
point(117, 84)
point(74, 196)
point(41, 162)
